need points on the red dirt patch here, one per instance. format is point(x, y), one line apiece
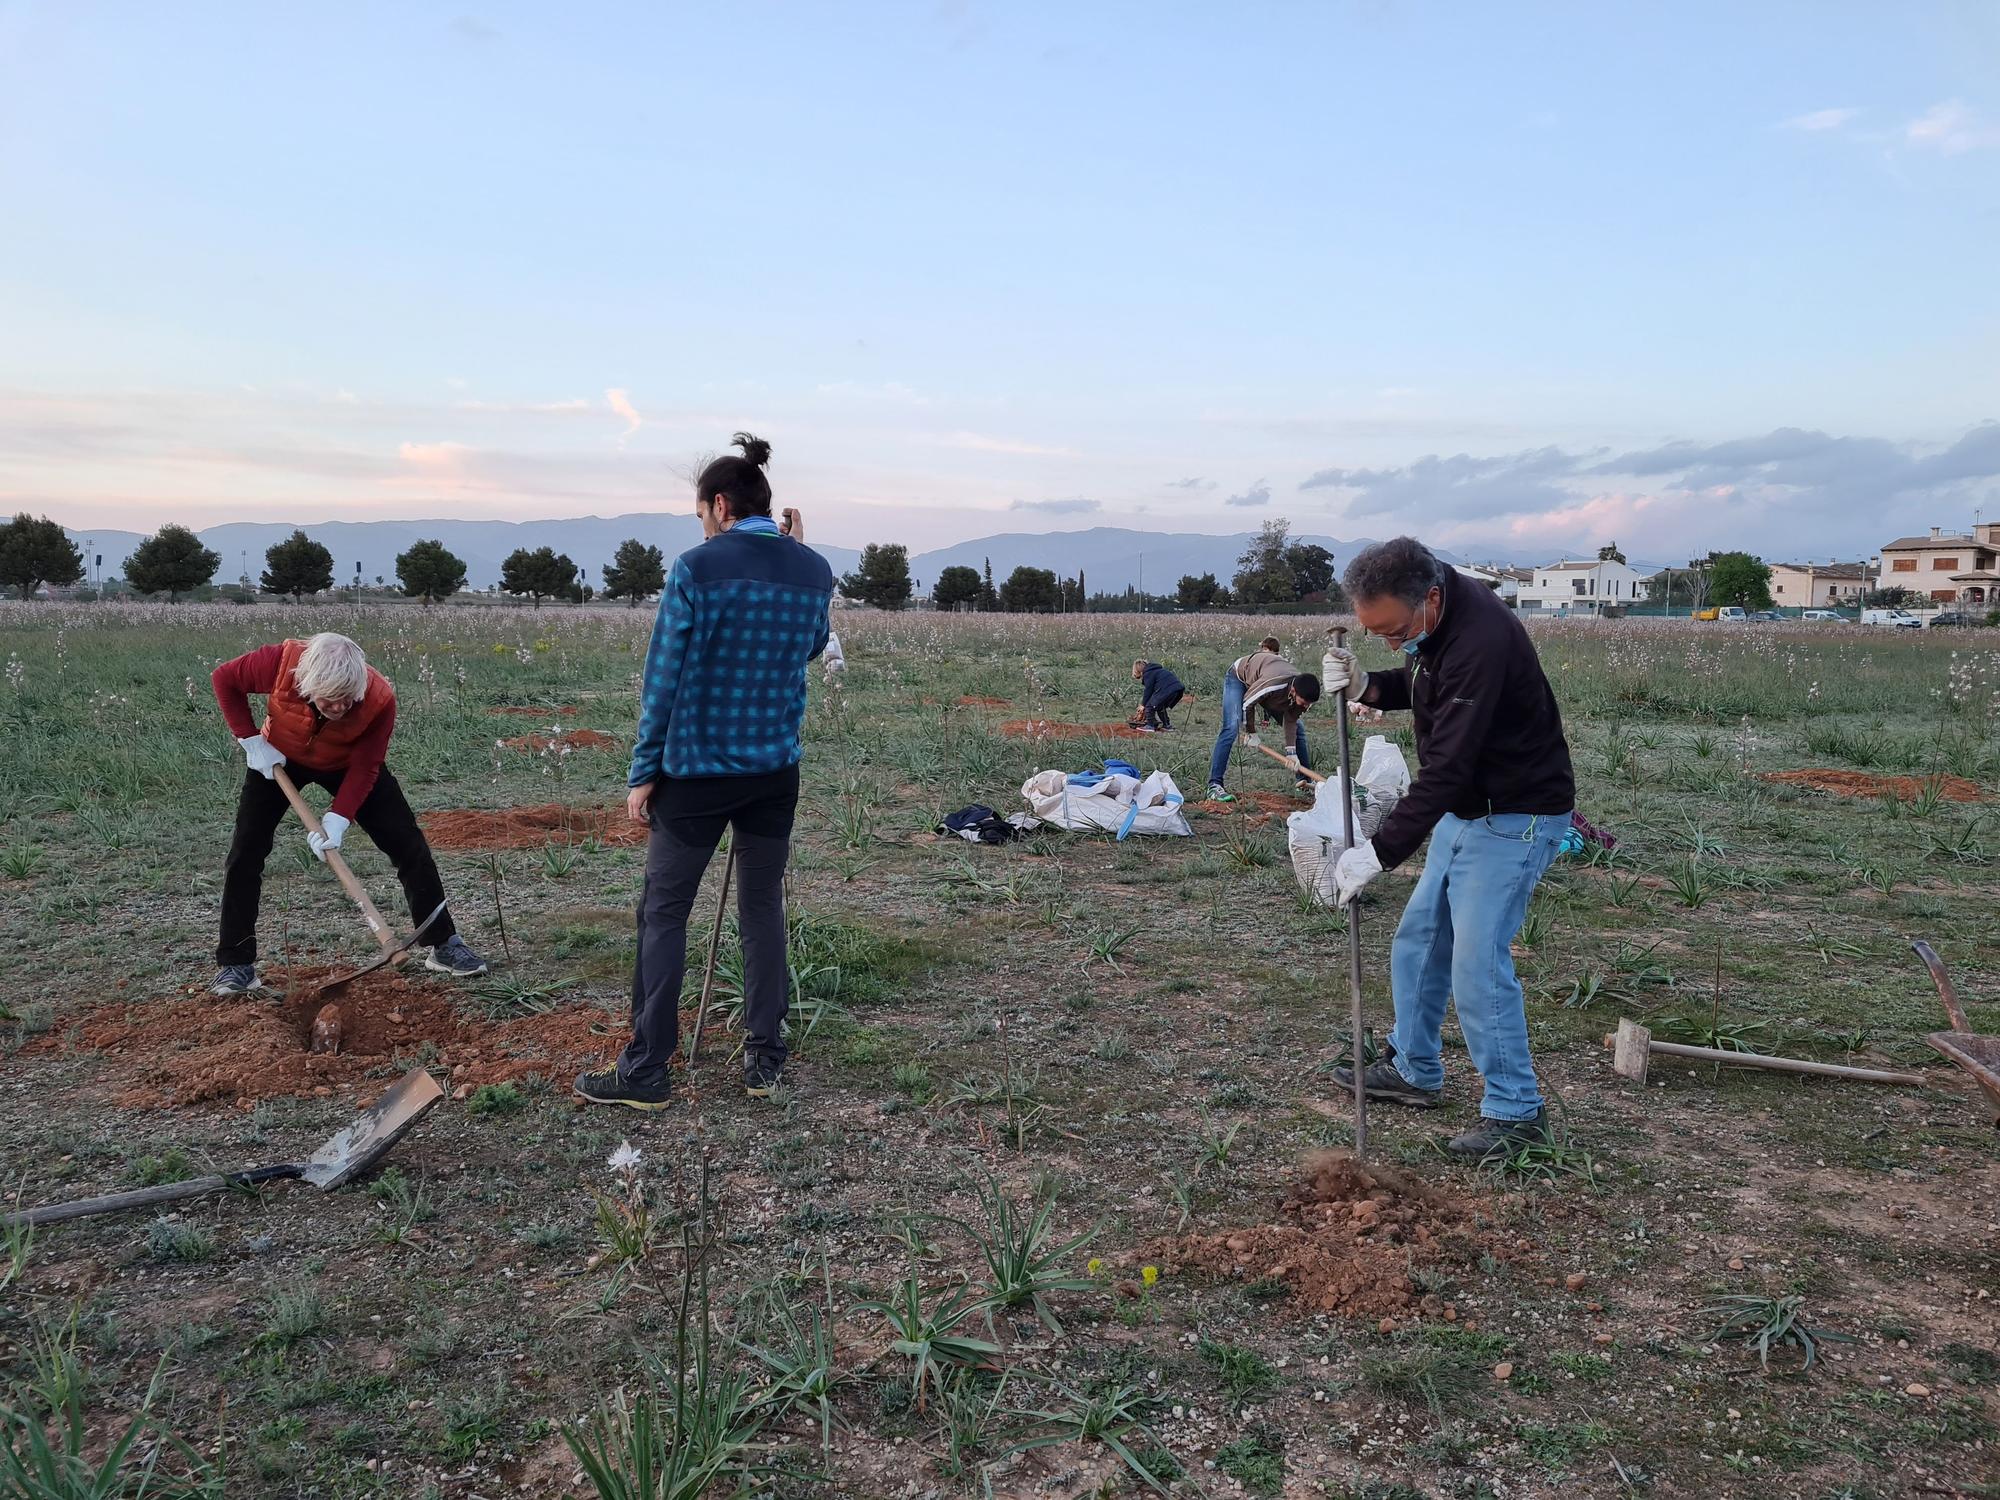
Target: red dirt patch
point(529, 827)
point(193, 1048)
point(564, 709)
point(575, 739)
point(1350, 1238)
point(1256, 808)
point(976, 702)
point(1861, 784)
point(1053, 729)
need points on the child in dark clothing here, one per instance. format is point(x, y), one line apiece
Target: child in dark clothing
point(1161, 690)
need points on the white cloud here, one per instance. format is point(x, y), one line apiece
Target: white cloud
point(1820, 119)
point(1951, 128)
point(1258, 494)
point(621, 403)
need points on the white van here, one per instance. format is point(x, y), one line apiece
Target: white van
point(1901, 619)
point(1822, 614)
point(1730, 612)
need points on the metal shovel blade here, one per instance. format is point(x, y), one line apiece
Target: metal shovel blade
point(388, 955)
point(373, 1131)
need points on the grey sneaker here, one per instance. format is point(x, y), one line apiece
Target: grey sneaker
point(1500, 1137)
point(1380, 1080)
point(235, 979)
point(1217, 792)
point(453, 957)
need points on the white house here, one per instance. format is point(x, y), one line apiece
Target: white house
point(1506, 582)
point(1582, 588)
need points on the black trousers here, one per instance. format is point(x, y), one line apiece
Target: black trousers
point(1156, 711)
point(688, 817)
point(385, 817)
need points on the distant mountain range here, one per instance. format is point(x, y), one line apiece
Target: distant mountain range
point(1112, 558)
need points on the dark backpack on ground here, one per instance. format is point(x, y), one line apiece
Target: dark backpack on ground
point(978, 824)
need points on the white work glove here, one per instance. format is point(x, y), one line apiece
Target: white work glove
point(261, 754)
point(1250, 739)
point(1340, 672)
point(1292, 764)
point(333, 829)
point(1357, 867)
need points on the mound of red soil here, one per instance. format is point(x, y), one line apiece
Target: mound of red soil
point(1256, 808)
point(575, 739)
point(1861, 784)
point(529, 827)
point(564, 709)
point(974, 702)
point(1349, 1238)
point(193, 1048)
point(1053, 729)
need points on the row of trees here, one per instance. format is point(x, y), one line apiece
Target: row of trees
point(173, 561)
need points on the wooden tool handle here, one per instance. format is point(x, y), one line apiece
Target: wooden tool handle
point(1776, 1064)
point(1304, 770)
point(348, 883)
point(166, 1192)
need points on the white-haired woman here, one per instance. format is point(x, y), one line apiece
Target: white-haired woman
point(328, 717)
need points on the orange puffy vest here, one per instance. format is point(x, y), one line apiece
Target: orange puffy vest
point(303, 733)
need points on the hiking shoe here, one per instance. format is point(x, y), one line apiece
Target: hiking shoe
point(612, 1087)
point(235, 979)
point(1500, 1137)
point(763, 1079)
point(1217, 792)
point(1381, 1081)
point(452, 957)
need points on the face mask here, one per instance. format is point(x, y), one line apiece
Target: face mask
point(1410, 646)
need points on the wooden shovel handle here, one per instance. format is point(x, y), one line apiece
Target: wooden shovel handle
point(1304, 770)
point(166, 1192)
point(348, 883)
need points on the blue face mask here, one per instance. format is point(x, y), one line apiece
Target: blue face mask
point(1410, 646)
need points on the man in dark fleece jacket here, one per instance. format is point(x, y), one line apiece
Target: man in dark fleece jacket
point(1159, 690)
point(1494, 793)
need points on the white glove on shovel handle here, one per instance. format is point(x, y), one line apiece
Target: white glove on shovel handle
point(333, 828)
point(261, 754)
point(1340, 672)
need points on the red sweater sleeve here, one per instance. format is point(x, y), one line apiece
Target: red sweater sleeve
point(365, 765)
point(234, 681)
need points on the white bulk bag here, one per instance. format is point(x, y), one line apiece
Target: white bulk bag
point(1118, 805)
point(1317, 837)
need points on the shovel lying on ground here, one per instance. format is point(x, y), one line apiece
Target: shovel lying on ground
point(392, 950)
point(355, 1149)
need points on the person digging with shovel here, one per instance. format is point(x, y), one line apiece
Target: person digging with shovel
point(1494, 795)
point(722, 703)
point(327, 719)
point(1263, 680)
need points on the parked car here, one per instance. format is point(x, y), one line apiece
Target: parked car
point(1822, 614)
point(1768, 616)
point(1901, 619)
point(1951, 619)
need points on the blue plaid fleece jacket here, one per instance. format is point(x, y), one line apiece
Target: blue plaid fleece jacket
point(725, 687)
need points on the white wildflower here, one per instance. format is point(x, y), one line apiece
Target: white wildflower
point(624, 1159)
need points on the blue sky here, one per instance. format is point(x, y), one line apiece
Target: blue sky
point(1467, 271)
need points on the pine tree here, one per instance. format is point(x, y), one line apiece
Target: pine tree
point(297, 566)
point(171, 561)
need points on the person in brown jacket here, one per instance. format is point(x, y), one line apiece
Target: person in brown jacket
point(1264, 681)
point(328, 716)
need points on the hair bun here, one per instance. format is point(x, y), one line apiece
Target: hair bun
point(754, 448)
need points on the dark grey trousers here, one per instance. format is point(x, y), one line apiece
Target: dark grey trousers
point(676, 856)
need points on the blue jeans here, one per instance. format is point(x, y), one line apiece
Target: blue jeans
point(1453, 943)
point(1232, 725)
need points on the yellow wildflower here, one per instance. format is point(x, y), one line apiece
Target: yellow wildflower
point(1094, 1266)
point(1150, 1275)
